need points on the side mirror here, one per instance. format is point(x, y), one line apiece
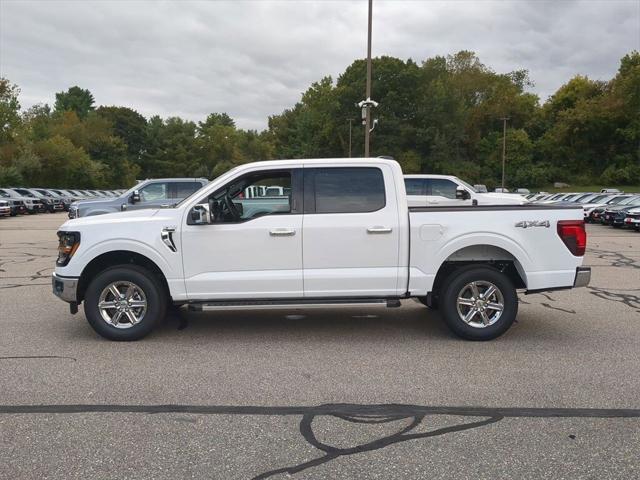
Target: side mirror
point(198, 215)
point(462, 194)
point(135, 196)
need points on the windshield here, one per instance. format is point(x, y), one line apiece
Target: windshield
point(44, 192)
point(615, 200)
point(26, 193)
point(4, 194)
point(583, 198)
point(467, 186)
point(628, 201)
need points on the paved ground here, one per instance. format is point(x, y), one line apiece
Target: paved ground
point(349, 394)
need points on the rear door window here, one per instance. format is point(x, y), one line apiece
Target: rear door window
point(346, 189)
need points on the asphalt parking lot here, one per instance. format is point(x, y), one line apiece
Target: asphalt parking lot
point(321, 394)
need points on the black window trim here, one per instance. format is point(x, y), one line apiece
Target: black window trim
point(310, 190)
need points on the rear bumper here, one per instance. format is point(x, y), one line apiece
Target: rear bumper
point(65, 288)
point(583, 277)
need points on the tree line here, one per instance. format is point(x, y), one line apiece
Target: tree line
point(442, 115)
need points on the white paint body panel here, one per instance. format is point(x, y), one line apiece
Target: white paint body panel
point(330, 255)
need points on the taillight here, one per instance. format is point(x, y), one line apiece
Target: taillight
point(573, 235)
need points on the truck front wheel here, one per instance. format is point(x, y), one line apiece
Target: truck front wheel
point(124, 303)
point(479, 303)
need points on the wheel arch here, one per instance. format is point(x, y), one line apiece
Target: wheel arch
point(114, 258)
point(488, 255)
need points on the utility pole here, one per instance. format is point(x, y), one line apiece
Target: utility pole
point(504, 145)
point(350, 122)
point(367, 124)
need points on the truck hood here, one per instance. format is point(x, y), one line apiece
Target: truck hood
point(501, 198)
point(110, 218)
point(98, 202)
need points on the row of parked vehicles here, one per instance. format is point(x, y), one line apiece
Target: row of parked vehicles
point(614, 208)
point(19, 200)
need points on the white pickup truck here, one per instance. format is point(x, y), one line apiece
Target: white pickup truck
point(340, 233)
point(427, 190)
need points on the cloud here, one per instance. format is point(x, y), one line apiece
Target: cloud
point(253, 59)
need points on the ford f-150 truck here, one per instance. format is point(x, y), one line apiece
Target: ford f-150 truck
point(335, 232)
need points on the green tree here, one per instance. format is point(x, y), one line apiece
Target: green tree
point(9, 110)
point(128, 125)
point(75, 99)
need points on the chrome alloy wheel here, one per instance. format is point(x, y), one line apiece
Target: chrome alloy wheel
point(480, 304)
point(122, 304)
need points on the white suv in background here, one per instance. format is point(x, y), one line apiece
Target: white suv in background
point(443, 190)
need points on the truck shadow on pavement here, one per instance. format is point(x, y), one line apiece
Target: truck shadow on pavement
point(473, 417)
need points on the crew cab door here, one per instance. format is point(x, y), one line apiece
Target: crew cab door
point(350, 232)
point(152, 195)
point(248, 246)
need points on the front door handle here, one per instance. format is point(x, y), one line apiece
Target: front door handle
point(282, 232)
point(379, 229)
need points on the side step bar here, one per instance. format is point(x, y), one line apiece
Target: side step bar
point(212, 305)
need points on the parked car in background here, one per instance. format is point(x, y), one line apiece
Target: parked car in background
point(632, 219)
point(51, 204)
point(157, 193)
point(615, 215)
point(5, 208)
point(66, 201)
point(481, 188)
point(596, 212)
point(16, 206)
point(31, 203)
point(522, 191)
point(610, 190)
point(501, 190)
point(443, 190)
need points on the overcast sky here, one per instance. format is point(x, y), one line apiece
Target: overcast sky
point(254, 58)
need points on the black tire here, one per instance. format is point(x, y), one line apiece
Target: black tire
point(453, 287)
point(146, 281)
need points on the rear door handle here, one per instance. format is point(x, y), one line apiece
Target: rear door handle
point(379, 229)
point(282, 232)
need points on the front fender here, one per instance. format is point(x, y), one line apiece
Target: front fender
point(82, 257)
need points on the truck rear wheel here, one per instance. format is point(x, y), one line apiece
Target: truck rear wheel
point(479, 303)
point(124, 303)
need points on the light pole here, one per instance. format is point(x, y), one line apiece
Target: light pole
point(504, 145)
point(367, 122)
point(350, 122)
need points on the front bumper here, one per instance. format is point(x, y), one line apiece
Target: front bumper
point(5, 211)
point(583, 277)
point(65, 288)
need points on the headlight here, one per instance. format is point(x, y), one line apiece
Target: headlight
point(67, 246)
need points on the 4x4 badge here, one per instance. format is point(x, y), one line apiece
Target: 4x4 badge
point(533, 223)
